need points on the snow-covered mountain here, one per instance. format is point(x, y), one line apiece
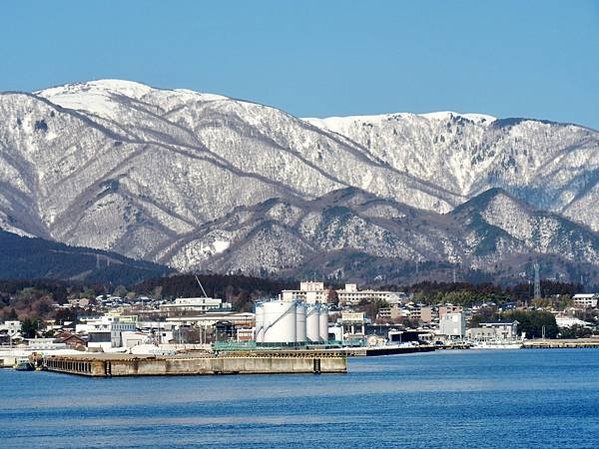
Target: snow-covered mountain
point(352, 233)
point(172, 176)
point(551, 166)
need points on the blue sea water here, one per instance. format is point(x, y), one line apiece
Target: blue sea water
point(474, 399)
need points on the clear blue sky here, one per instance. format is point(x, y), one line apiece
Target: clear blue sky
point(320, 58)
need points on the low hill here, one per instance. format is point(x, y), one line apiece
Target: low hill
point(35, 258)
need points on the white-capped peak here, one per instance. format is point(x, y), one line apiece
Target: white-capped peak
point(103, 97)
point(333, 123)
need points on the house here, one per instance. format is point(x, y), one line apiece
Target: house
point(71, 340)
point(79, 302)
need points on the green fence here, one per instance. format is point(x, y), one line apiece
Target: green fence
point(252, 345)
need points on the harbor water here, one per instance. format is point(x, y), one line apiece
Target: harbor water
point(496, 399)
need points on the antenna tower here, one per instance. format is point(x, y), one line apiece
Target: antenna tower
point(537, 282)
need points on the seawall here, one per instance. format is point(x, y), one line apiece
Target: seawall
point(112, 365)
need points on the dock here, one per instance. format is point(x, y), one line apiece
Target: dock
point(559, 344)
point(120, 365)
point(350, 351)
point(391, 350)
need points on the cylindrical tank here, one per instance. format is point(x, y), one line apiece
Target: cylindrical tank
point(259, 328)
point(279, 322)
point(313, 323)
point(300, 322)
point(323, 329)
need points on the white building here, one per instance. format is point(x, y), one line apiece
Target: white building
point(105, 332)
point(568, 321)
point(118, 326)
point(133, 338)
point(353, 323)
point(310, 292)
point(185, 306)
point(498, 331)
point(12, 328)
point(39, 344)
point(453, 324)
point(350, 295)
point(585, 300)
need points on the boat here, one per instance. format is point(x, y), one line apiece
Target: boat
point(24, 365)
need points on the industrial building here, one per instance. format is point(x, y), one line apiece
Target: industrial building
point(353, 323)
point(452, 324)
point(105, 332)
point(241, 323)
point(494, 331)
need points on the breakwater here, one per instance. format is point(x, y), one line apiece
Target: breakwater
point(111, 365)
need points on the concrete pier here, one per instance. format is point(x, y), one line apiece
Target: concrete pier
point(560, 344)
point(111, 365)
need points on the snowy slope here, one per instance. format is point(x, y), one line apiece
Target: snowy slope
point(156, 174)
point(494, 233)
point(549, 165)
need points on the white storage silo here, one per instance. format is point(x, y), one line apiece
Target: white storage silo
point(259, 328)
point(300, 322)
point(279, 322)
point(323, 329)
point(313, 323)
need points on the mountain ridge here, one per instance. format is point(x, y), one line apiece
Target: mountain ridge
point(144, 171)
point(350, 221)
point(35, 258)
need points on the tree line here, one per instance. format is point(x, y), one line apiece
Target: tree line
point(468, 294)
point(36, 299)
